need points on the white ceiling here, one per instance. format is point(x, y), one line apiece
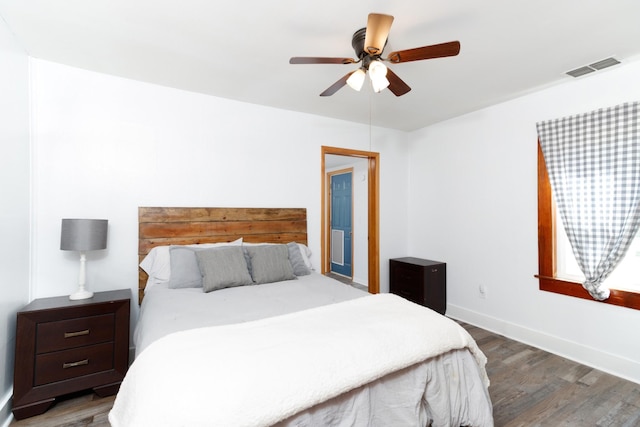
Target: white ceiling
point(240, 49)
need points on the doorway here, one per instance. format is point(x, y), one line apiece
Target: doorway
point(372, 228)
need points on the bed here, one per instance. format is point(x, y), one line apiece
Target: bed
point(281, 344)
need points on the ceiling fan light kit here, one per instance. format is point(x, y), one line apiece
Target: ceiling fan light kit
point(378, 76)
point(356, 80)
point(369, 44)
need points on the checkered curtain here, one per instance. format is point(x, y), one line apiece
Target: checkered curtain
point(593, 161)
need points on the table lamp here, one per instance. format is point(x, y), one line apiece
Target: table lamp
point(83, 235)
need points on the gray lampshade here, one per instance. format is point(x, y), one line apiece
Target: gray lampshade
point(83, 234)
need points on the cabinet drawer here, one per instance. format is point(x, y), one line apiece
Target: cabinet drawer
point(406, 282)
point(405, 278)
point(407, 274)
point(72, 333)
point(62, 365)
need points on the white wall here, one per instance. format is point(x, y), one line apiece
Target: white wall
point(473, 204)
point(361, 223)
point(14, 193)
point(104, 146)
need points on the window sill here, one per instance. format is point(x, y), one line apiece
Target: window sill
point(574, 289)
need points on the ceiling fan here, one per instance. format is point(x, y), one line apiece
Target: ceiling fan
point(369, 44)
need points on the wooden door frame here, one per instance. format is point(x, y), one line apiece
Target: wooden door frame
point(373, 212)
point(328, 176)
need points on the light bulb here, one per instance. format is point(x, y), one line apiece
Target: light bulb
point(379, 83)
point(377, 68)
point(378, 76)
point(356, 79)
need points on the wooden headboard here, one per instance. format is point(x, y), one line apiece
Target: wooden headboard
point(159, 226)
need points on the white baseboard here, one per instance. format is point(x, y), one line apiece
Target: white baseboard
point(589, 356)
point(6, 417)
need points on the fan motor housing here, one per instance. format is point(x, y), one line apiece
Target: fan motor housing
point(357, 42)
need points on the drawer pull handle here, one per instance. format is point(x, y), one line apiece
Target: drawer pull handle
point(76, 334)
point(74, 364)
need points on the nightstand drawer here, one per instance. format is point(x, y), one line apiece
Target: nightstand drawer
point(61, 365)
point(72, 333)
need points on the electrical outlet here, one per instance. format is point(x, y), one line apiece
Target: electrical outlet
point(482, 291)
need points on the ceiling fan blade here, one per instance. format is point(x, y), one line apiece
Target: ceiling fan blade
point(378, 26)
point(425, 52)
point(337, 85)
point(315, 60)
point(396, 84)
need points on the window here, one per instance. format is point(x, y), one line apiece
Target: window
point(548, 249)
point(625, 276)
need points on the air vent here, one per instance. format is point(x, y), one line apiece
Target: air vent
point(580, 71)
point(593, 67)
point(604, 63)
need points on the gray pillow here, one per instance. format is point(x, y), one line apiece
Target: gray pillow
point(270, 263)
point(295, 258)
point(223, 267)
point(185, 272)
point(247, 258)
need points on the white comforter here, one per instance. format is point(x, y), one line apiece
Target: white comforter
point(261, 372)
point(165, 311)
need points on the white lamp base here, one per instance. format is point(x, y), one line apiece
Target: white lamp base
point(81, 294)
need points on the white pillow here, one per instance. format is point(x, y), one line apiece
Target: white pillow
point(157, 263)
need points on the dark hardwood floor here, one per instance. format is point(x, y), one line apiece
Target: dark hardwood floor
point(529, 387)
point(78, 410)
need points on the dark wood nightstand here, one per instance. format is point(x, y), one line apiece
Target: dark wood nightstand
point(420, 280)
point(64, 346)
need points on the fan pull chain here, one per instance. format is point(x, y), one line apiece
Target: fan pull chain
point(370, 108)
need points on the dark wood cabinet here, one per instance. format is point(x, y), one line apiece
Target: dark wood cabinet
point(420, 280)
point(64, 346)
